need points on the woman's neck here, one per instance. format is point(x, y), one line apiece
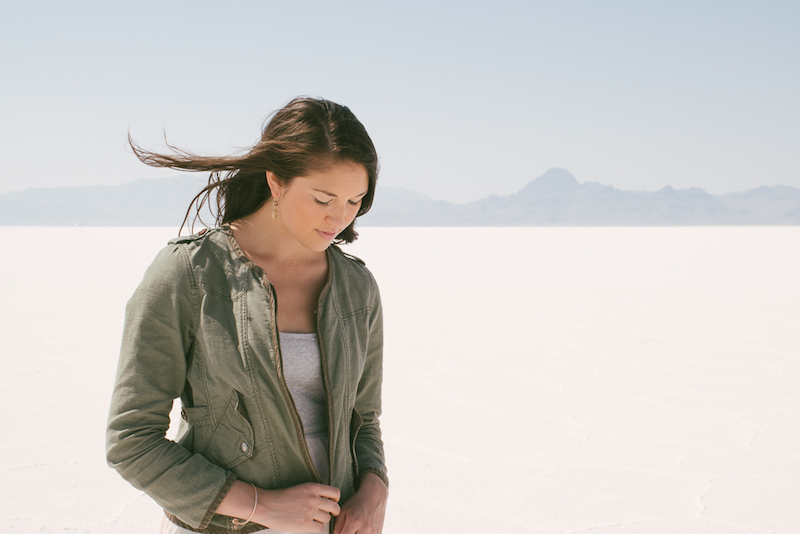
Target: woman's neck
point(264, 240)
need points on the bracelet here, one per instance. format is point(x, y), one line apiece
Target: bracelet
point(236, 522)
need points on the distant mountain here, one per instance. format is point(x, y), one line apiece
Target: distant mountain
point(554, 199)
point(159, 202)
point(557, 199)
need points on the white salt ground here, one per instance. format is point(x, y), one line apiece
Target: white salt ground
point(537, 380)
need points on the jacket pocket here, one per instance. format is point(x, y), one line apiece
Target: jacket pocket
point(230, 441)
point(355, 425)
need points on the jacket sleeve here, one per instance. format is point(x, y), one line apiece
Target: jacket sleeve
point(368, 445)
point(157, 337)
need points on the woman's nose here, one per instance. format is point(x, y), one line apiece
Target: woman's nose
point(338, 216)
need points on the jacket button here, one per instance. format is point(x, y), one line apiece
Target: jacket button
point(244, 447)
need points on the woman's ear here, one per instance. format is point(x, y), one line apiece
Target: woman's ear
point(275, 187)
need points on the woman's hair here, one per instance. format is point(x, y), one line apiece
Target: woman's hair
point(308, 134)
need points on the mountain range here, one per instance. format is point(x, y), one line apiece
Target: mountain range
point(554, 199)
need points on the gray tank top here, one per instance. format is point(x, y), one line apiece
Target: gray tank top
point(302, 368)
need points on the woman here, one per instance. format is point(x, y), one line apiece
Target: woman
point(270, 336)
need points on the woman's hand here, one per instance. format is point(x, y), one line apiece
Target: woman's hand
point(304, 508)
point(363, 513)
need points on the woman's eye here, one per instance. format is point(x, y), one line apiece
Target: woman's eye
point(321, 203)
point(355, 202)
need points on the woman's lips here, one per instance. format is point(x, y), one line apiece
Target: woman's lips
point(326, 235)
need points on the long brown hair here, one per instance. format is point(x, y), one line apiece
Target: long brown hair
point(308, 134)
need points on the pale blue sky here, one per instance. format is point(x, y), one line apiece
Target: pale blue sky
point(463, 99)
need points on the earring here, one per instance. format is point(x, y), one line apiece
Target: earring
point(275, 208)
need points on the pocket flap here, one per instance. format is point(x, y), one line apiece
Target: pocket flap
point(232, 440)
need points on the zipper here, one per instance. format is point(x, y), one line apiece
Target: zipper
point(271, 295)
point(328, 404)
point(288, 394)
point(326, 375)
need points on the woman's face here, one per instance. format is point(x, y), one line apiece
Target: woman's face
point(315, 208)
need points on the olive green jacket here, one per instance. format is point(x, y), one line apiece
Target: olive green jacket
point(201, 326)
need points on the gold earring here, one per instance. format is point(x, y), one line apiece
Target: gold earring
point(275, 208)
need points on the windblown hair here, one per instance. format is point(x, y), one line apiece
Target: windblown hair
point(308, 134)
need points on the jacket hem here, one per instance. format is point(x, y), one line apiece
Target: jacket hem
point(248, 529)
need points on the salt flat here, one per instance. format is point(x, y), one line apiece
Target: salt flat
point(538, 380)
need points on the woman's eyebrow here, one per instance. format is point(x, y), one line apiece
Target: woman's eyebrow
point(337, 196)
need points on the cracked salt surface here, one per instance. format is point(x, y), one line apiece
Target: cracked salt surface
point(537, 380)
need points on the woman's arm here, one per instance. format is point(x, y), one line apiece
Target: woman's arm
point(369, 445)
point(158, 334)
point(300, 508)
point(364, 511)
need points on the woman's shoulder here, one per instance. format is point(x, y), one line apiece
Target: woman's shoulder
point(214, 237)
point(352, 266)
point(194, 255)
point(354, 281)
point(207, 244)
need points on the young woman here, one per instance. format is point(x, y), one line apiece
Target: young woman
point(270, 335)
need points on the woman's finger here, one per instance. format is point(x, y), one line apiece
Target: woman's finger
point(329, 492)
point(321, 517)
point(329, 506)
